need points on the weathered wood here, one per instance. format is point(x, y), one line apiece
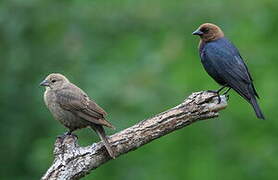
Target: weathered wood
point(73, 162)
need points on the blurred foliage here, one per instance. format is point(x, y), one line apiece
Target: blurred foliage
point(136, 59)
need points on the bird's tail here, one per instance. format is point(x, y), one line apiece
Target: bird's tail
point(101, 133)
point(256, 108)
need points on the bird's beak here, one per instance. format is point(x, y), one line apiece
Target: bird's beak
point(44, 83)
point(198, 32)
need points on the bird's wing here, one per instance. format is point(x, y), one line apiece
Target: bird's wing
point(251, 79)
point(75, 100)
point(228, 63)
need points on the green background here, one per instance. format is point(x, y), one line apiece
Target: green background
point(137, 59)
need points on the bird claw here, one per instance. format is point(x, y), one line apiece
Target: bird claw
point(69, 133)
point(217, 95)
point(219, 99)
point(61, 136)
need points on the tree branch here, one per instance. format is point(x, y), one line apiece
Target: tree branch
point(73, 162)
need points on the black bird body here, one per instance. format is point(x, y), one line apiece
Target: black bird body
point(223, 62)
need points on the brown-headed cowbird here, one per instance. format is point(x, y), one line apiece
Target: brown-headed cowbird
point(73, 108)
point(222, 61)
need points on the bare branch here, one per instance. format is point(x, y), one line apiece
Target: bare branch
point(73, 162)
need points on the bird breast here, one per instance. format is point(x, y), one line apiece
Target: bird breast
point(67, 118)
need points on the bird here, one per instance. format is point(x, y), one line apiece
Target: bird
point(72, 107)
point(223, 62)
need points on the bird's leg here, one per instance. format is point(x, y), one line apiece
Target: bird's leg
point(68, 133)
point(219, 98)
point(226, 92)
point(217, 93)
point(62, 136)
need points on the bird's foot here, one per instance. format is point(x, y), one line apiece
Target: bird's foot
point(219, 99)
point(217, 92)
point(62, 136)
point(216, 95)
point(69, 133)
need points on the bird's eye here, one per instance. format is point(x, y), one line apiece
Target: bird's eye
point(205, 30)
point(53, 81)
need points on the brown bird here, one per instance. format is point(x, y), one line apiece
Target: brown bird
point(73, 108)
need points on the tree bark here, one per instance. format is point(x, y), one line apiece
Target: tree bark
point(73, 162)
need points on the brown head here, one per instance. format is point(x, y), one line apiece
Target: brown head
point(209, 32)
point(54, 81)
